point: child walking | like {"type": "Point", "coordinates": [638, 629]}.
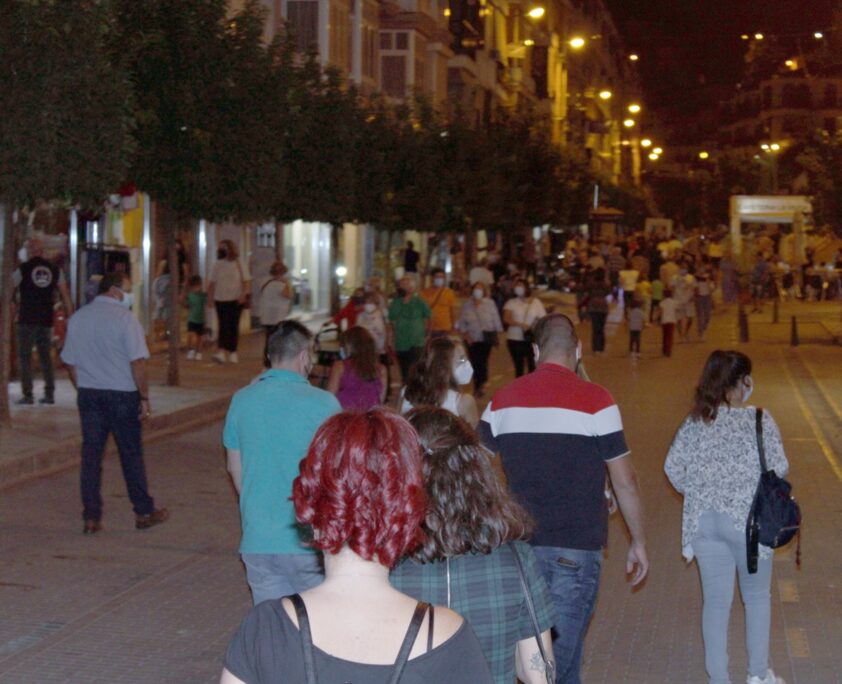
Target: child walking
{"type": "Point", "coordinates": [196, 301]}
{"type": "Point", "coordinates": [636, 322]}
{"type": "Point", "coordinates": [668, 315]}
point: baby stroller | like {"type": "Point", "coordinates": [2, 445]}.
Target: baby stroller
{"type": "Point", "coordinates": [327, 351]}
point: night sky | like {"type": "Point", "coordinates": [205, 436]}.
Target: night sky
{"type": "Point", "coordinates": [684, 44]}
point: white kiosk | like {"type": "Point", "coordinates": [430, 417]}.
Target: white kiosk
{"type": "Point", "coordinates": [770, 209]}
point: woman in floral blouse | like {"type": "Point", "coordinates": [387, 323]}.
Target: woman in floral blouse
{"type": "Point", "coordinates": [714, 463]}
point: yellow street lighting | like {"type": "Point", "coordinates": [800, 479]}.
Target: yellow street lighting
{"type": "Point", "coordinates": [536, 12]}
{"type": "Point", "coordinates": [774, 147]}
{"type": "Point", "coordinates": [745, 36]}
{"type": "Point", "coordinates": [605, 94]}
{"type": "Point", "coordinates": [790, 63]}
{"type": "Point", "coordinates": [447, 11]}
{"type": "Point", "coordinates": [818, 35]}
{"type": "Point", "coordinates": [658, 151]}
{"type": "Point", "coordinates": [646, 142]}
{"type": "Point", "coordinates": [628, 123]}
{"type": "Point", "coordinates": [577, 42]}
{"type": "Point", "coordinates": [634, 108]}
{"type": "Point", "coordinates": [758, 36]}
{"type": "Point", "coordinates": [653, 156]}
{"type": "Point", "coordinates": [625, 143]}
{"type": "Point", "coordinates": [529, 42]}
{"type": "Point", "coordinates": [703, 155]}
{"type": "Point", "coordinates": [633, 57]}
{"type": "Point", "coordinates": [764, 146]}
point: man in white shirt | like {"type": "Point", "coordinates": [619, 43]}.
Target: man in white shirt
{"type": "Point", "coordinates": [105, 352]}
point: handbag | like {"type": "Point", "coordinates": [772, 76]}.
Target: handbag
{"type": "Point", "coordinates": [549, 665]}
{"type": "Point", "coordinates": [403, 654]}
{"type": "Point", "coordinates": [774, 517]}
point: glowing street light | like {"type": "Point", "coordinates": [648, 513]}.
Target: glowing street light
{"type": "Point", "coordinates": [758, 36]}
{"type": "Point", "coordinates": [634, 108]}
{"type": "Point", "coordinates": [765, 146]}
{"type": "Point", "coordinates": [628, 123]}
{"type": "Point", "coordinates": [447, 11]}
{"type": "Point", "coordinates": [791, 64]}
{"type": "Point", "coordinates": [577, 42]}
{"type": "Point", "coordinates": [536, 12]}
{"type": "Point", "coordinates": [529, 42]}
{"type": "Point", "coordinates": [745, 36]}
{"type": "Point", "coordinates": [341, 271]}
{"type": "Point", "coordinates": [653, 156]}
{"type": "Point", "coordinates": [818, 35]}
{"type": "Point", "coordinates": [646, 142]}
{"type": "Point", "coordinates": [774, 147]}
{"type": "Point", "coordinates": [658, 151]}
{"type": "Point", "coordinates": [605, 94]}
{"type": "Point", "coordinates": [703, 155]}
{"type": "Point", "coordinates": [634, 57]}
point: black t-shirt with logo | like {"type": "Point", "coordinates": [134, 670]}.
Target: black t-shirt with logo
{"type": "Point", "coordinates": [39, 279]}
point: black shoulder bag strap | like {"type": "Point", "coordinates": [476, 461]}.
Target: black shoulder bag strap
{"type": "Point", "coordinates": [530, 606]}
{"type": "Point", "coordinates": [752, 532]}
{"type": "Point", "coordinates": [306, 637]}
{"type": "Point", "coordinates": [409, 640]}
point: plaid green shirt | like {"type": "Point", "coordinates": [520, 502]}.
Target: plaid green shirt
{"type": "Point", "coordinates": [486, 591]}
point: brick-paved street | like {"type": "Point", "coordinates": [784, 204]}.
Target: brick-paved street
{"type": "Point", "coordinates": [160, 605]}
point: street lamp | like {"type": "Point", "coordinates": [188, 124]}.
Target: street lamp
{"type": "Point", "coordinates": [605, 94]}
{"type": "Point", "coordinates": [628, 123]}
{"type": "Point", "coordinates": [634, 108]}
{"type": "Point", "coordinates": [774, 147]}
{"type": "Point", "coordinates": [646, 142]}
{"type": "Point", "coordinates": [818, 35]}
{"type": "Point", "coordinates": [536, 12]}
{"type": "Point", "coordinates": [529, 42]}
{"type": "Point", "coordinates": [634, 57]}
{"type": "Point", "coordinates": [658, 151]}
{"type": "Point", "coordinates": [758, 36]}
{"type": "Point", "coordinates": [653, 156]}
{"type": "Point", "coordinates": [703, 155]}
{"type": "Point", "coordinates": [577, 42]}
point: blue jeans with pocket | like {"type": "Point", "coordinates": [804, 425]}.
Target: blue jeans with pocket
{"type": "Point", "coordinates": [573, 579]}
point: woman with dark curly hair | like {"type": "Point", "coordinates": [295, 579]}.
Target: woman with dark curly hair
{"type": "Point", "coordinates": [435, 380]}
{"type": "Point", "coordinates": [714, 463]}
{"type": "Point", "coordinates": [361, 492]}
{"type": "Point", "coordinates": [467, 559]}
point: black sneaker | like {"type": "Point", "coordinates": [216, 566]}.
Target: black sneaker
{"type": "Point", "coordinates": [156, 517]}
{"type": "Point", "coordinates": [46, 400]}
{"type": "Point", "coordinates": [25, 401]}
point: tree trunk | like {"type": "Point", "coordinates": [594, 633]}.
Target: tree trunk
{"type": "Point", "coordinates": [334, 279]}
{"type": "Point", "coordinates": [6, 249]}
{"type": "Point", "coordinates": [174, 322]}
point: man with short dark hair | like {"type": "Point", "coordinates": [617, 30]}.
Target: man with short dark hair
{"type": "Point", "coordinates": [105, 352]}
{"type": "Point", "coordinates": [556, 434]}
{"type": "Point", "coordinates": [36, 280]}
{"type": "Point", "coordinates": [268, 429]}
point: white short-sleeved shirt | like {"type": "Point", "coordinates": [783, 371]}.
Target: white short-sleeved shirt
{"type": "Point", "coordinates": [274, 305]}
{"type": "Point", "coordinates": [669, 310]}
{"type": "Point", "coordinates": [103, 338]}
{"type": "Point", "coordinates": [524, 314]}
{"type": "Point", "coordinates": [228, 276]}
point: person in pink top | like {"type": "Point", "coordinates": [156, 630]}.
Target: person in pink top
{"type": "Point", "coordinates": [358, 380]}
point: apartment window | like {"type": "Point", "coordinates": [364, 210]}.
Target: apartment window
{"type": "Point", "coordinates": [385, 40]}
{"type": "Point", "coordinates": [402, 40]}
{"type": "Point", "coordinates": [303, 17]}
{"type": "Point", "coordinates": [393, 73]}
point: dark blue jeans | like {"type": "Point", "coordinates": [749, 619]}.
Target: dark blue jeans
{"type": "Point", "coordinates": [39, 336]}
{"type": "Point", "coordinates": [573, 578]}
{"type": "Point", "coordinates": [105, 412]}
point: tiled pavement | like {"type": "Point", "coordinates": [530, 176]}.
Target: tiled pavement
{"type": "Point", "coordinates": [160, 605]}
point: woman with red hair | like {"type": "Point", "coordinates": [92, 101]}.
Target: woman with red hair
{"type": "Point", "coordinates": [361, 492]}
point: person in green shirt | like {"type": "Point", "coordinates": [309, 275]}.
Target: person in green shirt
{"type": "Point", "coordinates": [196, 301]}
{"type": "Point", "coordinates": [409, 316]}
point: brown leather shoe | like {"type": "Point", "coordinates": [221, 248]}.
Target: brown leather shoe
{"type": "Point", "coordinates": [92, 527]}
{"type": "Point", "coordinates": [156, 517]}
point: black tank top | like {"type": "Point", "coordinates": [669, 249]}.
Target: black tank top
{"type": "Point", "coordinates": [39, 279]}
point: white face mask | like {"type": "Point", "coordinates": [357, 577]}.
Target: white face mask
{"type": "Point", "coordinates": [478, 294]}
{"type": "Point", "coordinates": [520, 290]}
{"type": "Point", "coordinates": [748, 388]}
{"type": "Point", "coordinates": [127, 300]}
{"type": "Point", "coordinates": [438, 282]}
{"type": "Point", "coordinates": [369, 308]}
{"type": "Point", "coordinates": [463, 373]}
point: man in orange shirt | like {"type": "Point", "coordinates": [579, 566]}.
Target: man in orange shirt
{"type": "Point", "coordinates": [442, 302]}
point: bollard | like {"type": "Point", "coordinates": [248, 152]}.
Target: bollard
{"type": "Point", "coordinates": [742, 319]}
{"type": "Point", "coordinates": [775, 310]}
{"type": "Point", "coordinates": [793, 338]}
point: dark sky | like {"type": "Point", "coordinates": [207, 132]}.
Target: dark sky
{"type": "Point", "coordinates": [683, 43]}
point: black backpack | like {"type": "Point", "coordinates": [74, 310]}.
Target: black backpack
{"type": "Point", "coordinates": [774, 517]}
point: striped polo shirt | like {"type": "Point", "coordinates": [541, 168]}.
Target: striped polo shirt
{"type": "Point", "coordinates": [554, 432]}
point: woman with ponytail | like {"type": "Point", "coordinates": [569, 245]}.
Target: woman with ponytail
{"type": "Point", "coordinates": [713, 462]}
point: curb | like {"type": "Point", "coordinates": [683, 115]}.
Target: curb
{"type": "Point", "coordinates": [66, 455]}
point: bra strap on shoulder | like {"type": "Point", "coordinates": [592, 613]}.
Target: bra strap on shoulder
{"type": "Point", "coordinates": [306, 637]}
{"type": "Point", "coordinates": [408, 641]}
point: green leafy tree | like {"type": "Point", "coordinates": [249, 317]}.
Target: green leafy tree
{"type": "Point", "coordinates": [65, 124]}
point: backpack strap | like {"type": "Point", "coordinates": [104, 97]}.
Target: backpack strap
{"type": "Point", "coordinates": [761, 450]}
{"type": "Point", "coordinates": [408, 641]}
{"type": "Point", "coordinates": [306, 637]}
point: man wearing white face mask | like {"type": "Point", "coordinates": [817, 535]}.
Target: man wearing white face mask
{"type": "Point", "coordinates": [556, 434]}
{"type": "Point", "coordinates": [105, 352]}
{"type": "Point", "coordinates": [442, 302]}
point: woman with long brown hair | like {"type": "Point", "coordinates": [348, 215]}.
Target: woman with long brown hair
{"type": "Point", "coordinates": [435, 380]}
{"type": "Point", "coordinates": [358, 379]}
{"type": "Point", "coordinates": [714, 463]}
{"type": "Point", "coordinates": [473, 530]}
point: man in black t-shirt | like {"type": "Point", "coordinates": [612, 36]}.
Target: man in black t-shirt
{"type": "Point", "coordinates": [36, 281]}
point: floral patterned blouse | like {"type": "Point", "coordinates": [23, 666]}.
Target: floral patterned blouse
{"type": "Point", "coordinates": [716, 467]}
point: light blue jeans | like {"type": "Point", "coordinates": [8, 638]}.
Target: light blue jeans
{"type": "Point", "coordinates": [573, 578]}
{"type": "Point", "coordinates": [275, 575]}
{"type": "Point", "coordinates": [720, 551]}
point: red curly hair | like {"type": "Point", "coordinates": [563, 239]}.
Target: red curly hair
{"type": "Point", "coordinates": [361, 484]}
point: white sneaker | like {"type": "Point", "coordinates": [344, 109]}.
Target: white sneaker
{"type": "Point", "coordinates": [219, 357]}
{"type": "Point", "coordinates": [198, 356]}
{"type": "Point", "coordinates": [233, 358]}
{"type": "Point", "coordinates": [191, 354]}
{"type": "Point", "coordinates": [770, 678]}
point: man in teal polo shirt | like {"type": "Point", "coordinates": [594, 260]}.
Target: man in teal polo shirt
{"type": "Point", "coordinates": [267, 431]}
